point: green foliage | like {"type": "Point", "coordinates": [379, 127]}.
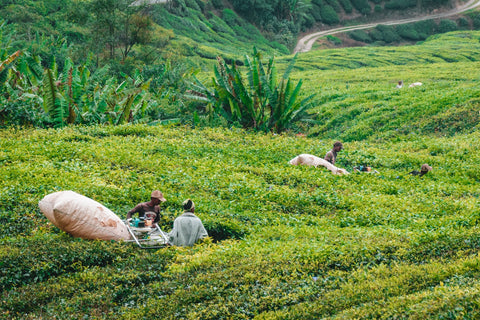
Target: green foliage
{"type": "Point", "coordinates": [385, 33]}
{"type": "Point", "coordinates": [288, 235]}
{"type": "Point", "coordinates": [72, 95]}
{"type": "Point", "coordinates": [400, 4]}
{"type": "Point", "coordinates": [463, 23]}
{"type": "Point", "coordinates": [408, 32]}
{"type": "Point", "coordinates": [446, 25]}
{"type": "Point", "coordinates": [420, 30]}
{"type": "Point", "coordinates": [261, 102]}
{"type": "Point", "coordinates": [329, 16]}
{"type": "Point", "coordinates": [362, 6]}
{"type": "Point", "coordinates": [335, 5]}
{"type": "Point", "coordinates": [291, 242]}
{"type": "Point", "coordinates": [378, 110]}
{"type": "Point", "coordinates": [360, 35]}
{"type": "Point", "coordinates": [347, 5]}
{"type": "Point", "coordinates": [425, 28]}
{"type": "Point", "coordinates": [131, 37]}
{"type": "Point", "coordinates": [230, 17]}
{"type": "Point", "coordinates": [334, 40]}
{"type": "Point", "coordinates": [51, 103]}
{"type": "Point", "coordinates": [476, 22]}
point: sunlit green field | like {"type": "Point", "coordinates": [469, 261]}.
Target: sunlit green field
{"type": "Point", "coordinates": [358, 99]}
{"type": "Point", "coordinates": [286, 242]}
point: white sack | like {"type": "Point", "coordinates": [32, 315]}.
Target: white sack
{"type": "Point", "coordinates": [311, 160]}
{"type": "Point", "coordinates": [82, 217]}
{"type": "Point", "coordinates": [415, 84]}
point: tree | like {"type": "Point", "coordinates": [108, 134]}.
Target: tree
{"type": "Point", "coordinates": [117, 25]}
{"type": "Point", "coordinates": [136, 30]}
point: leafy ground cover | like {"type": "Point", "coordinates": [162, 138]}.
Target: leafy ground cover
{"type": "Point", "coordinates": [286, 242]}
{"type": "Point", "coordinates": [363, 103]}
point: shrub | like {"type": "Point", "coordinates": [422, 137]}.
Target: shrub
{"type": "Point", "coordinates": [222, 229]}
{"type": "Point", "coordinates": [476, 22]}
{"type": "Point", "coordinates": [336, 41]}
{"type": "Point", "coordinates": [220, 26]}
{"type": "Point", "coordinates": [335, 5]}
{"type": "Point", "coordinates": [315, 11]}
{"type": "Point", "coordinates": [407, 31]}
{"type": "Point", "coordinates": [425, 28]}
{"type": "Point", "coordinates": [36, 260]}
{"type": "Point", "coordinates": [360, 35]}
{"type": "Point", "coordinates": [347, 6]}
{"type": "Point", "coordinates": [376, 34]}
{"type": "Point", "coordinates": [328, 14]}
{"type": "Point", "coordinates": [217, 4]}
{"type": "Point", "coordinates": [306, 22]}
{"type": "Point", "coordinates": [389, 34]}
{"type": "Point", "coordinates": [261, 102]}
{"type": "Point", "coordinates": [463, 23]}
{"type": "Point", "coordinates": [230, 17]}
{"type": "Point", "coordinates": [447, 25]}
{"type": "Point", "coordinates": [362, 6]}
{"type": "Point", "coordinates": [400, 4]}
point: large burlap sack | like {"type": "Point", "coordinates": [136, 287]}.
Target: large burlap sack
{"type": "Point", "coordinates": [311, 160]}
{"type": "Point", "coordinates": [82, 217]}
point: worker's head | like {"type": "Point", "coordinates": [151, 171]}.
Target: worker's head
{"type": "Point", "coordinates": [425, 168]}
{"type": "Point", "coordinates": [157, 197]}
{"type": "Point", "coordinates": [337, 146]}
{"type": "Point", "coordinates": [188, 205]}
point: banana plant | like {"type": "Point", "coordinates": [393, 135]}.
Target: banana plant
{"type": "Point", "coordinates": [131, 99]}
{"type": "Point", "coordinates": [261, 102]}
{"type": "Point", "coordinates": [53, 102]}
{"type": "Point", "coordinates": [285, 107]}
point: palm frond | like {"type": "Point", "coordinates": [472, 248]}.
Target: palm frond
{"type": "Point", "coordinates": [126, 110]}
{"type": "Point", "coordinates": [290, 66]}
{"type": "Point", "coordinates": [10, 59]}
{"type": "Point", "coordinates": [53, 107]}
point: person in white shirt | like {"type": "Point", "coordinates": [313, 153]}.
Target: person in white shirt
{"type": "Point", "coordinates": [187, 228]}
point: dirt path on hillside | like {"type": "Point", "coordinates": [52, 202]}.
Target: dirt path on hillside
{"type": "Point", "coordinates": [305, 44]}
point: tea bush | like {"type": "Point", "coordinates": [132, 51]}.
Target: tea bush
{"type": "Point", "coordinates": [288, 242]}
{"type": "Point", "coordinates": [298, 234]}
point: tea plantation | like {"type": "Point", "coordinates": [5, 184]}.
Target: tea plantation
{"type": "Point", "coordinates": [287, 242]}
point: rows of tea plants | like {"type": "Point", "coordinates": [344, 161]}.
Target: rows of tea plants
{"type": "Point", "coordinates": [286, 241]}
{"type": "Point", "coordinates": [358, 99]}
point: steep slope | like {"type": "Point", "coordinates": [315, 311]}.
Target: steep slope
{"type": "Point", "coordinates": [358, 98]}
{"type": "Point", "coordinates": [305, 43]}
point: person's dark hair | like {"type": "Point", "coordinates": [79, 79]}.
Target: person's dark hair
{"type": "Point", "coordinates": [188, 205]}
{"type": "Point", "coordinates": [337, 144]}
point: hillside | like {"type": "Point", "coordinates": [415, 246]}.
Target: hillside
{"type": "Point", "coordinates": [194, 32]}
{"type": "Point", "coordinates": [357, 98]}
{"type": "Point", "coordinates": [286, 242]}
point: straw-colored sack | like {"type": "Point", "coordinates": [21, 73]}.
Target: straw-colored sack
{"type": "Point", "coordinates": [82, 217]}
{"type": "Point", "coordinates": [311, 160]}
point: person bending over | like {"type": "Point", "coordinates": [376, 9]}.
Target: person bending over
{"type": "Point", "coordinates": [331, 155]}
{"type": "Point", "coordinates": [151, 207]}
